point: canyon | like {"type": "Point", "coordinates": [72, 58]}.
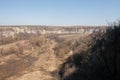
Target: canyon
{"type": "Point", "coordinates": [37, 52]}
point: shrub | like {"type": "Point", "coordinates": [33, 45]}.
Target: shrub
{"type": "Point", "coordinates": [37, 41]}
{"type": "Point", "coordinates": [99, 62]}
{"type": "Point", "coordinates": [9, 50]}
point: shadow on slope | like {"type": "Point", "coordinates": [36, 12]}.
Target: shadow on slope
{"type": "Point", "coordinates": [100, 62]}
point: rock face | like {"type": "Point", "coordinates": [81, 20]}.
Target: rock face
{"type": "Point", "coordinates": [11, 31]}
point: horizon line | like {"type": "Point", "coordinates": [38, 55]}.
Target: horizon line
{"type": "Point", "coordinates": [53, 25]}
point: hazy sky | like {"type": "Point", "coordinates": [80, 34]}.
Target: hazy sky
{"type": "Point", "coordinates": [58, 12]}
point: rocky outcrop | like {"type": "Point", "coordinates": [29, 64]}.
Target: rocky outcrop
{"type": "Point", "coordinates": [11, 31]}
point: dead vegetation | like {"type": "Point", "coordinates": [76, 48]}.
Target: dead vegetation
{"type": "Point", "coordinates": [99, 62]}
{"type": "Point", "coordinates": [46, 57]}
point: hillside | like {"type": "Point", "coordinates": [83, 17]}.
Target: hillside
{"type": "Point", "coordinates": [37, 57]}
{"type": "Point", "coordinates": [99, 62]}
{"type": "Point", "coordinates": [51, 56]}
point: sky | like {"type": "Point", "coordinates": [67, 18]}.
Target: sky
{"type": "Point", "coordinates": [59, 12]}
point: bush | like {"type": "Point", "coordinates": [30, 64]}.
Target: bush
{"type": "Point", "coordinates": [9, 50]}
{"type": "Point", "coordinates": [37, 41]}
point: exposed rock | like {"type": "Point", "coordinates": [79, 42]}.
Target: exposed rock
{"type": "Point", "coordinates": [12, 31]}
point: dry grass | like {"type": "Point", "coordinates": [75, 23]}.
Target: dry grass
{"type": "Point", "coordinates": [9, 50]}
{"type": "Point", "coordinates": [50, 50]}
{"type": "Point", "coordinates": [37, 41]}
